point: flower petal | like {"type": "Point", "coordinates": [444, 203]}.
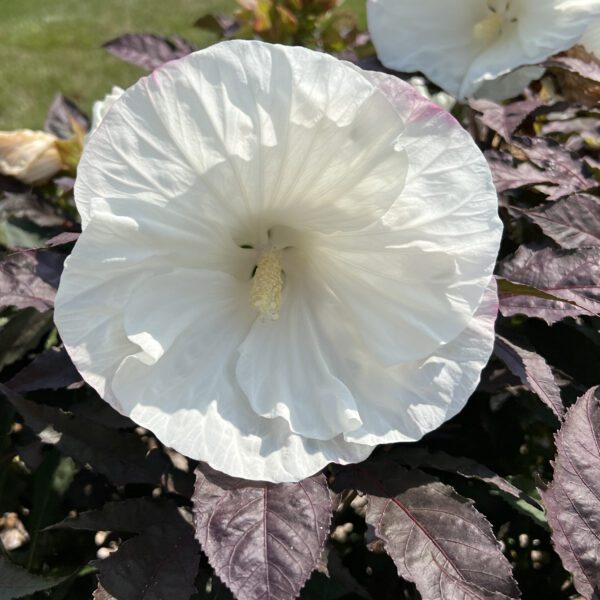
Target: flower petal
{"type": "Point", "coordinates": [591, 38]}
{"type": "Point", "coordinates": [245, 128]}
{"type": "Point", "coordinates": [448, 213]}
{"type": "Point", "coordinates": [430, 36]}
{"type": "Point", "coordinates": [209, 309]}
{"type": "Point", "coordinates": [432, 390]}
{"type": "Point", "coordinates": [283, 367]}
{"type": "Point", "coordinates": [227, 434]}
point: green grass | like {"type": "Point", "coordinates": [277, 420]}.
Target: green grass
{"type": "Point", "coordinates": [50, 46]}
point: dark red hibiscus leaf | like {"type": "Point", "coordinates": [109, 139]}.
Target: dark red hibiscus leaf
{"type": "Point", "coordinates": [160, 562]}
{"type": "Point", "coordinates": [533, 371]}
{"type": "Point", "coordinates": [571, 275]}
{"type": "Point", "coordinates": [418, 456]}
{"type": "Point", "coordinates": [147, 50]}
{"type": "Point", "coordinates": [573, 498]}
{"type": "Point", "coordinates": [436, 538]}
{"type": "Point", "coordinates": [566, 172]}
{"type": "Point", "coordinates": [62, 114]}
{"type": "Point", "coordinates": [263, 540]}
{"type": "Point", "coordinates": [572, 222]}
{"type": "Point", "coordinates": [504, 119]}
{"type": "Point", "coordinates": [50, 370]}
{"type": "Point", "coordinates": [588, 69]}
{"type": "Point", "coordinates": [509, 174]}
{"type": "Point", "coordinates": [30, 278]}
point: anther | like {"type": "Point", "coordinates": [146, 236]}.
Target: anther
{"type": "Point", "coordinates": [267, 284]}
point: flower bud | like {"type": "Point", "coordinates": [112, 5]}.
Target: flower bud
{"type": "Point", "coordinates": [31, 156]}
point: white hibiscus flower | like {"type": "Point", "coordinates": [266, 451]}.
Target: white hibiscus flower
{"type": "Point", "coordinates": [284, 261]}
{"type": "Point", "coordinates": [460, 44]}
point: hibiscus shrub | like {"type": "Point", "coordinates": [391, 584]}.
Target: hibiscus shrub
{"type": "Point", "coordinates": [500, 501]}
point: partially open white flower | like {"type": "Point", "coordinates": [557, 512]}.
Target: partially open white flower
{"type": "Point", "coordinates": [459, 44]}
{"type": "Point", "coordinates": [31, 156]}
{"type": "Point", "coordinates": [284, 261]}
{"type": "Point", "coordinates": [101, 107]}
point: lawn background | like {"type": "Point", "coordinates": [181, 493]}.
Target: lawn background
{"type": "Point", "coordinates": [50, 46]}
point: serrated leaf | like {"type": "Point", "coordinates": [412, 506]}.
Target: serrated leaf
{"type": "Point", "coordinates": [29, 279]}
{"type": "Point", "coordinates": [533, 371]}
{"type": "Point", "coordinates": [587, 69]}
{"type": "Point", "coordinates": [133, 515]}
{"type": "Point", "coordinates": [418, 456]}
{"type": "Point", "coordinates": [101, 594]}
{"type": "Point", "coordinates": [223, 25]}
{"type": "Point", "coordinates": [29, 206]}
{"type": "Point", "coordinates": [572, 275]}
{"type": "Point", "coordinates": [572, 222]}
{"type": "Point", "coordinates": [503, 119]}
{"type": "Point", "coordinates": [62, 115]}
{"type": "Point", "coordinates": [67, 237]}
{"type": "Point", "coordinates": [263, 540]}
{"type": "Point", "coordinates": [566, 171]}
{"type": "Point", "coordinates": [573, 497]}
{"type": "Point", "coordinates": [22, 333]}
{"type": "Point", "coordinates": [147, 50]}
{"type": "Point", "coordinates": [51, 370]}
{"type": "Point", "coordinates": [121, 456]}
{"type": "Point", "coordinates": [509, 174]}
{"type": "Point", "coordinates": [16, 582]}
{"type": "Point", "coordinates": [436, 538]}
{"type": "Point", "coordinates": [160, 562]}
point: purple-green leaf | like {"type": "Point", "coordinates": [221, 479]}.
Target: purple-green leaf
{"type": "Point", "coordinates": [573, 498]}
{"type": "Point", "coordinates": [28, 206]}
{"type": "Point", "coordinates": [101, 594]}
{"type": "Point", "coordinates": [417, 456]}
{"type": "Point", "coordinates": [51, 370]}
{"type": "Point", "coordinates": [508, 174]}
{"type": "Point", "coordinates": [147, 50]}
{"type": "Point", "coordinates": [63, 112]}
{"type": "Point", "coordinates": [121, 456]}
{"type": "Point", "coordinates": [504, 119]}
{"type": "Point", "coordinates": [263, 540]}
{"type": "Point", "coordinates": [160, 562]}
{"type": "Point", "coordinates": [29, 279]}
{"type": "Point", "coordinates": [533, 371]}
{"type": "Point", "coordinates": [572, 222]}
{"type": "Point", "coordinates": [584, 68]}
{"type": "Point", "coordinates": [565, 171]}
{"type": "Point", "coordinates": [436, 538]}
{"type": "Point", "coordinates": [571, 275]}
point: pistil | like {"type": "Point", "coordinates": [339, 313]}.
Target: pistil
{"type": "Point", "coordinates": [267, 284]}
{"type": "Point", "coordinates": [488, 29]}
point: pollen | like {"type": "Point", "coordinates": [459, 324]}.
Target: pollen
{"type": "Point", "coordinates": [488, 29]}
{"type": "Point", "coordinates": [265, 294]}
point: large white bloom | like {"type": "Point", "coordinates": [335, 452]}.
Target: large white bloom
{"type": "Point", "coordinates": [460, 44]}
{"type": "Point", "coordinates": [284, 260]}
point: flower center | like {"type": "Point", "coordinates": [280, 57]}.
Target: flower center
{"type": "Point", "coordinates": [267, 284]}
{"type": "Point", "coordinates": [491, 27]}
